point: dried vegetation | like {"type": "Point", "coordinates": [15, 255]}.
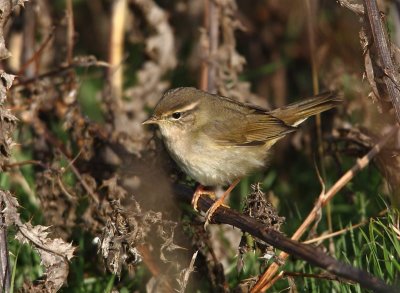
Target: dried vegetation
{"type": "Point", "coordinates": [73, 150]}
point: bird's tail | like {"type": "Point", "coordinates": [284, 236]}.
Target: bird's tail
{"type": "Point", "coordinates": [297, 112]}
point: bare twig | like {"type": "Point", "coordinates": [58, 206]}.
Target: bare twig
{"type": "Point", "coordinates": [265, 280]}
{"type": "Point", "coordinates": [341, 231]}
{"type": "Point", "coordinates": [78, 175]}
{"type": "Point", "coordinates": [23, 163]}
{"type": "Point", "coordinates": [42, 129]}
{"type": "Point", "coordinates": [308, 253]}
{"type": "Point", "coordinates": [382, 45]}
{"type": "Point", "coordinates": [61, 70]}
{"type": "Point", "coordinates": [315, 276]}
{"type": "Point", "coordinates": [38, 53]}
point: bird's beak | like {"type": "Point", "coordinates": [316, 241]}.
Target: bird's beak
{"type": "Point", "coordinates": [151, 120]}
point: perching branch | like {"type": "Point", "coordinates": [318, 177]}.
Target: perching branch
{"type": "Point", "coordinates": [323, 199]}
{"type": "Point", "coordinates": [306, 252]}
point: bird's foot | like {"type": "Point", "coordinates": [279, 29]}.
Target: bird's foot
{"type": "Point", "coordinates": [212, 209]}
{"type": "Point", "coordinates": [199, 191]}
{"type": "Point", "coordinates": [219, 202]}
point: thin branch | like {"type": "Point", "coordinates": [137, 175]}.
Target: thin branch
{"type": "Point", "coordinates": [23, 163]}
{"type": "Point", "coordinates": [42, 129]}
{"type": "Point", "coordinates": [78, 175]}
{"type": "Point", "coordinates": [265, 280]}
{"type": "Point", "coordinates": [62, 69]}
{"type": "Point", "coordinates": [382, 45]}
{"type": "Point", "coordinates": [38, 53]}
{"type": "Point", "coordinates": [325, 276]}
{"type": "Point", "coordinates": [311, 254]}
{"type": "Point", "coordinates": [341, 231]}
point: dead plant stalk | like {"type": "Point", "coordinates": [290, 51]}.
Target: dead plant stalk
{"type": "Point", "coordinates": [267, 279]}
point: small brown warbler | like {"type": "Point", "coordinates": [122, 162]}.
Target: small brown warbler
{"type": "Point", "coordinates": [217, 140]}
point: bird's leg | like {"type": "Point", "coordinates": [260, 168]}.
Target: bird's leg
{"type": "Point", "coordinates": [199, 191]}
{"type": "Point", "coordinates": [219, 202]}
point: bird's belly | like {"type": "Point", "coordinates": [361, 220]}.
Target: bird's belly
{"type": "Point", "coordinates": [213, 165]}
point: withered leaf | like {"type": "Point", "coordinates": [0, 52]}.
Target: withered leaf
{"type": "Point", "coordinates": [54, 253]}
{"type": "Point", "coordinates": [6, 8]}
{"type": "Point", "coordinates": [6, 83]}
{"type": "Point", "coordinates": [10, 207]}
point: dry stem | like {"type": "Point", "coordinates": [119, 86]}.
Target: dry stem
{"type": "Point", "coordinates": [265, 280]}
{"type": "Point", "coordinates": [224, 215]}
{"type": "Point", "coordinates": [116, 49]}
{"type": "Point", "coordinates": [382, 45]}
{"type": "Point", "coordinates": [341, 231]}
{"type": "Point", "coordinates": [70, 32]}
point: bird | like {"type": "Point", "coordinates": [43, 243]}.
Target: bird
{"type": "Point", "coordinates": [217, 140]}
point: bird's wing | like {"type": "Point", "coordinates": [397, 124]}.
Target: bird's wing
{"type": "Point", "coordinates": [247, 129]}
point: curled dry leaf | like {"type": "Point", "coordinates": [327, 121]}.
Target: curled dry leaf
{"type": "Point", "coordinates": [128, 228]}
{"type": "Point", "coordinates": [54, 253]}
{"type": "Point", "coordinates": [7, 120]}
{"type": "Point", "coordinates": [7, 126]}
{"type": "Point", "coordinates": [57, 198]}
{"type": "Point", "coordinates": [10, 207]}
{"type": "Point", "coordinates": [185, 274]}
{"type": "Point", "coordinates": [355, 7]}
{"type": "Point", "coordinates": [6, 83]}
{"type": "Point", "coordinates": [6, 7]}
{"type": "Point", "coordinates": [257, 206]}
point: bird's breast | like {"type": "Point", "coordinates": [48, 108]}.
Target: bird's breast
{"type": "Point", "coordinates": [211, 164]}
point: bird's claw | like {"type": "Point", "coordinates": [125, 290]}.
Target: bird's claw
{"type": "Point", "coordinates": [210, 212]}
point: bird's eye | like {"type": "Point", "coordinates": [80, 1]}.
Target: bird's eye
{"type": "Point", "coordinates": [176, 115]}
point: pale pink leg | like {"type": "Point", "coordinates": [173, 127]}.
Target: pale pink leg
{"type": "Point", "coordinates": [219, 202]}
{"type": "Point", "coordinates": [199, 191]}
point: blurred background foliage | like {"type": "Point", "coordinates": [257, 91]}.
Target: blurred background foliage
{"type": "Point", "coordinates": [274, 41]}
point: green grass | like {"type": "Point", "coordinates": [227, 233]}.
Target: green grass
{"type": "Point", "coordinates": [373, 247]}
